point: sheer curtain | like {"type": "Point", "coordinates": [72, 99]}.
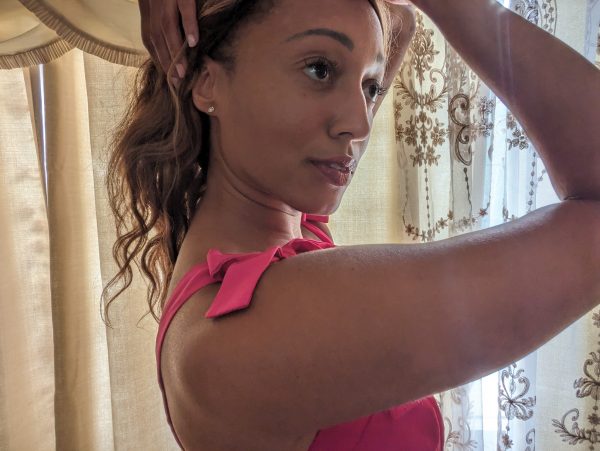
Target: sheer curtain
{"type": "Point", "coordinates": [463, 163]}
{"type": "Point", "coordinates": [433, 169]}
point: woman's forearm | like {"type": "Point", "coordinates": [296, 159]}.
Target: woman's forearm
{"type": "Point", "coordinates": [552, 90]}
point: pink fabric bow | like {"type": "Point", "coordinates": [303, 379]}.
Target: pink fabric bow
{"type": "Point", "coordinates": [239, 273]}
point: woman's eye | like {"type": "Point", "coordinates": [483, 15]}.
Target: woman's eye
{"type": "Point", "coordinates": [321, 69]}
{"type": "Point", "coordinates": [375, 90]}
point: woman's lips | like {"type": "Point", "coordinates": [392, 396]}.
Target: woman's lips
{"type": "Point", "coordinates": [334, 176]}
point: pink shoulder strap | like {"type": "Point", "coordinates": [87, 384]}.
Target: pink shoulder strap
{"type": "Point", "coordinates": [239, 274]}
{"type": "Point", "coordinates": [315, 229]}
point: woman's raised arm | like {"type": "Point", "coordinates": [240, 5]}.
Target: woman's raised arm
{"type": "Point", "coordinates": [552, 90]}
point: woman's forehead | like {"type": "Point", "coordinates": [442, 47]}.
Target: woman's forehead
{"type": "Point", "coordinates": [349, 22]}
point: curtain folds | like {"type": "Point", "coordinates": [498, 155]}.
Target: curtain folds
{"type": "Point", "coordinates": [109, 29]}
{"type": "Point", "coordinates": [445, 157]}
{"type": "Point", "coordinates": [27, 357]}
{"type": "Point", "coordinates": [24, 40]}
{"type": "Point", "coordinates": [39, 31]}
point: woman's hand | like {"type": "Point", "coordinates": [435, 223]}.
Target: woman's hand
{"type": "Point", "coordinates": [161, 30]}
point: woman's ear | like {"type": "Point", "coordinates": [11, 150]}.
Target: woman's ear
{"type": "Point", "coordinates": [204, 86]}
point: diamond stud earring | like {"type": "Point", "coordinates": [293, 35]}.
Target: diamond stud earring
{"type": "Point", "coordinates": [211, 109]}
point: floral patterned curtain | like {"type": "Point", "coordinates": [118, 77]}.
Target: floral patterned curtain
{"type": "Point", "coordinates": [467, 165]}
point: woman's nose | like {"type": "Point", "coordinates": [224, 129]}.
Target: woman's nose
{"type": "Point", "coordinates": [352, 116]}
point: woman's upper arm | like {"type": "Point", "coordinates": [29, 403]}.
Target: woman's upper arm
{"type": "Point", "coordinates": [337, 334]}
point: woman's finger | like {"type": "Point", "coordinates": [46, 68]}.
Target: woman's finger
{"type": "Point", "coordinates": [156, 35]}
{"type": "Point", "coordinates": [145, 25]}
{"type": "Point", "coordinates": [187, 8]}
{"type": "Point", "coordinates": [172, 36]}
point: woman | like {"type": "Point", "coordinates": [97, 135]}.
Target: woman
{"type": "Point", "coordinates": [337, 348]}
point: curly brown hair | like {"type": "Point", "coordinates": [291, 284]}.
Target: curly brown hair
{"type": "Point", "coordinates": [159, 154]}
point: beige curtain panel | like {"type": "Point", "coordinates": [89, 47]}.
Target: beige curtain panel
{"type": "Point", "coordinates": [39, 31]}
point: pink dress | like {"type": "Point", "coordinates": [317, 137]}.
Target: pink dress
{"type": "Point", "coordinates": [414, 426]}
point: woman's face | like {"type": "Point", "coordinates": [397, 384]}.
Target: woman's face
{"type": "Point", "coordinates": [304, 88]}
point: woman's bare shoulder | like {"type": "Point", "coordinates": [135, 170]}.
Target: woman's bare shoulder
{"type": "Point", "coordinates": [391, 317]}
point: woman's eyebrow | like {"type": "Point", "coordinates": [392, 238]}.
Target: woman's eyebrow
{"type": "Point", "coordinates": [342, 38]}
{"type": "Point", "coordinates": [338, 36]}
